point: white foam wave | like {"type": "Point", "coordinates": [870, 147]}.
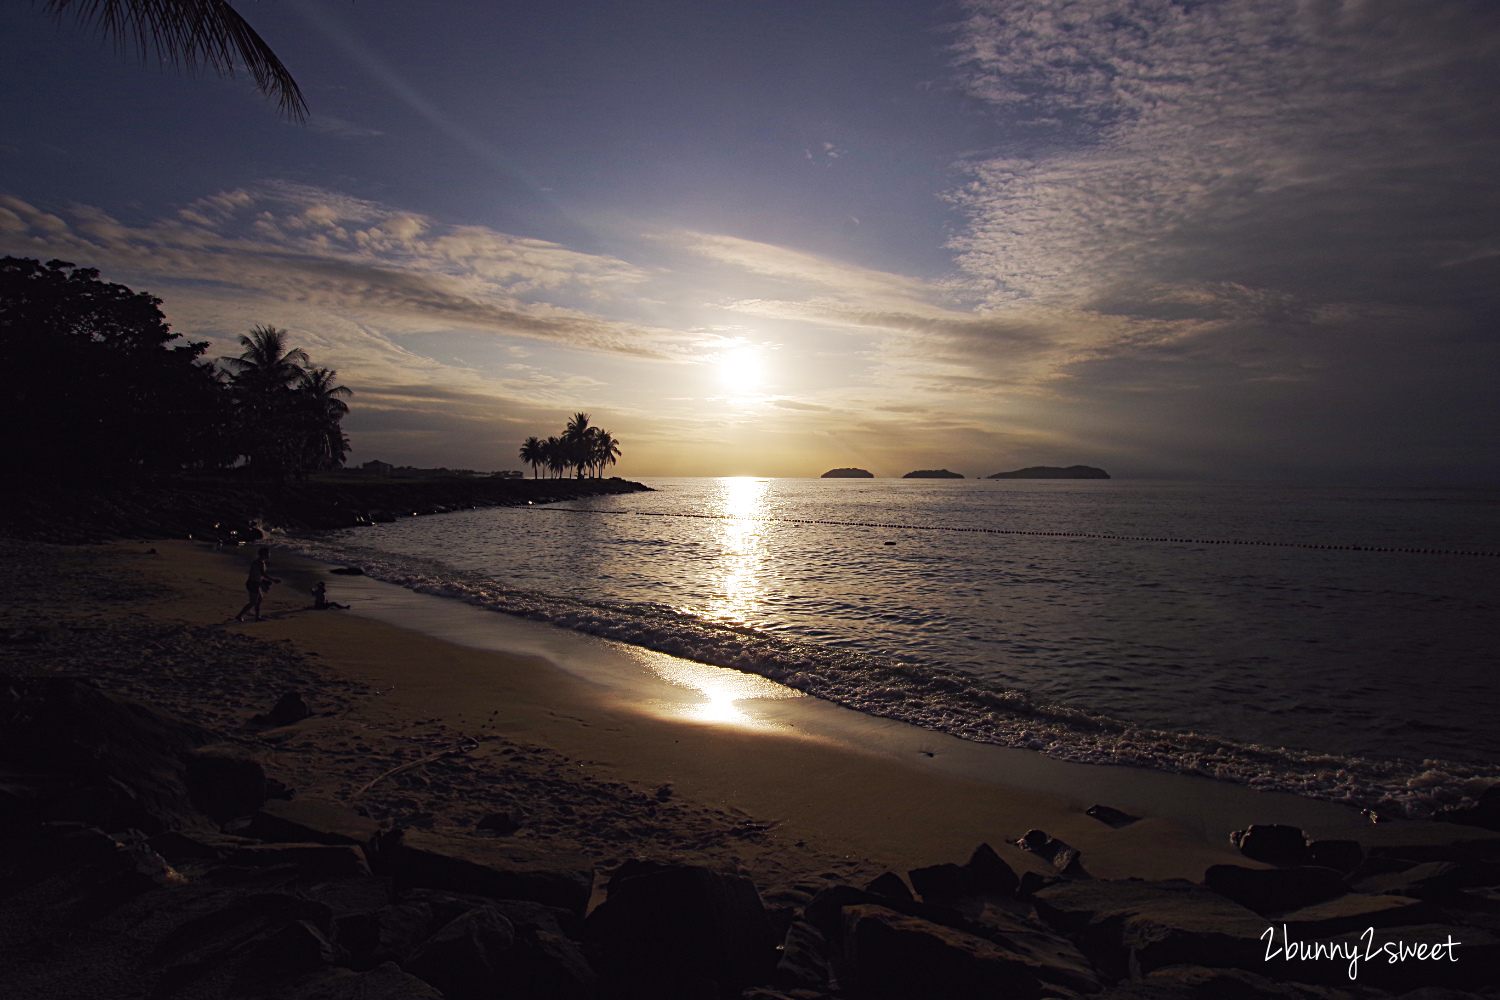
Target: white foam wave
{"type": "Point", "coordinates": [935, 697]}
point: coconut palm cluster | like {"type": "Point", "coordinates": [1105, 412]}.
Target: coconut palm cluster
{"type": "Point", "coordinates": [288, 412]}
{"type": "Point", "coordinates": [581, 447]}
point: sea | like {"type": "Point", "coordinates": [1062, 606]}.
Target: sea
{"type": "Point", "coordinates": [1337, 641]}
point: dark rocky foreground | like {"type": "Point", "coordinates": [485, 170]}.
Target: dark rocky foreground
{"type": "Point", "coordinates": [143, 856]}
{"type": "Point", "coordinates": [241, 511]}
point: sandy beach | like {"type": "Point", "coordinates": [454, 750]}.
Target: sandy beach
{"type": "Point", "coordinates": [573, 765]}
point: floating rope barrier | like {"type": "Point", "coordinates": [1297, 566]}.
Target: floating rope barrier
{"type": "Point", "coordinates": [1040, 534]}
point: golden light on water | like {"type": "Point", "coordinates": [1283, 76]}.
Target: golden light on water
{"type": "Point", "coordinates": [738, 591]}
{"type": "Point", "coordinates": [721, 687]}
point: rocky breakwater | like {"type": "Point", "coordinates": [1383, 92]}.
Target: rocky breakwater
{"type": "Point", "coordinates": [236, 512]}
{"type": "Point", "coordinates": [139, 857]}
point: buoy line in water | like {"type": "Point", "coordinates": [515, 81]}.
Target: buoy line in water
{"type": "Point", "coordinates": [1041, 534]}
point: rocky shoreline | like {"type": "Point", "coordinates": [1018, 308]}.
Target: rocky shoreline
{"type": "Point", "coordinates": [183, 508]}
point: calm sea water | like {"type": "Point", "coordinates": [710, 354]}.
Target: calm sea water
{"type": "Point", "coordinates": [1378, 655]}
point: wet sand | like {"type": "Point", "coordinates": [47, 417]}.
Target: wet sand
{"type": "Point", "coordinates": [592, 758]}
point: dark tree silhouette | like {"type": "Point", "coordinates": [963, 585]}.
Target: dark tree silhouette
{"type": "Point", "coordinates": [92, 382]}
{"type": "Point", "coordinates": [289, 415]}
{"type": "Point", "coordinates": [191, 35]}
{"type": "Point", "coordinates": [582, 447]}
{"type": "Point", "coordinates": [533, 454]}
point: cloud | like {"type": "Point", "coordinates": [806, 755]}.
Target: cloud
{"type": "Point", "coordinates": [351, 257]}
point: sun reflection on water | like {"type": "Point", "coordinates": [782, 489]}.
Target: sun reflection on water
{"type": "Point", "coordinates": [721, 688]}
{"type": "Point", "coordinates": [738, 593]}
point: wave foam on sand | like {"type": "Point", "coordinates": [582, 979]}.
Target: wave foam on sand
{"type": "Point", "coordinates": [938, 698]}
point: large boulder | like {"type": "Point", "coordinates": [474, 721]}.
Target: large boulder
{"type": "Point", "coordinates": [384, 982]}
{"type": "Point", "coordinates": [310, 821]}
{"type": "Point", "coordinates": [1189, 982]}
{"type": "Point", "coordinates": [1273, 844]}
{"type": "Point", "coordinates": [466, 959]}
{"type": "Point", "coordinates": [887, 955]}
{"type": "Point", "coordinates": [225, 781]}
{"type": "Point", "coordinates": [122, 759]}
{"type": "Point", "coordinates": [1355, 912]}
{"type": "Point", "coordinates": [1153, 924]}
{"type": "Point", "coordinates": [490, 868]}
{"type": "Point", "coordinates": [1275, 890]}
{"type": "Point", "coordinates": [682, 932]}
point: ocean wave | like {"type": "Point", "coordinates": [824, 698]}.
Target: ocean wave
{"type": "Point", "coordinates": [933, 696]}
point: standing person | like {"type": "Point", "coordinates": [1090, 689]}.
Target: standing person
{"type": "Point", "coordinates": [257, 584]}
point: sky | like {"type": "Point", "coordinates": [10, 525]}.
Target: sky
{"type": "Point", "coordinates": [1191, 239]}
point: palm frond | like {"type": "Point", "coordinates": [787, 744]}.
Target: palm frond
{"type": "Point", "coordinates": [192, 35]}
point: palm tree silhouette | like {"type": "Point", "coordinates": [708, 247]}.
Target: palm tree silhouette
{"type": "Point", "coordinates": [606, 450]}
{"type": "Point", "coordinates": [267, 363]}
{"type": "Point", "coordinates": [324, 442]}
{"type": "Point", "coordinates": [557, 456]}
{"type": "Point", "coordinates": [532, 454]}
{"type": "Point", "coordinates": [191, 35]}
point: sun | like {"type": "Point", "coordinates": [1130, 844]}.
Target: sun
{"type": "Point", "coordinates": [743, 369]}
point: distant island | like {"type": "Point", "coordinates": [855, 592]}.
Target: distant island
{"type": "Point", "coordinates": [847, 474]}
{"type": "Point", "coordinates": [932, 474]}
{"type": "Point", "coordinates": [1051, 472]}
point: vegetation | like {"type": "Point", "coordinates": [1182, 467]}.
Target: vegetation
{"type": "Point", "coordinates": [93, 381]}
{"type": "Point", "coordinates": [581, 447]}
{"type": "Point", "coordinates": [191, 35]}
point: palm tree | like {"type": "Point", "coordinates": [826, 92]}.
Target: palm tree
{"type": "Point", "coordinates": [191, 35]}
{"type": "Point", "coordinates": [532, 454]}
{"type": "Point", "coordinates": [324, 442]}
{"type": "Point", "coordinates": [606, 450]}
{"type": "Point", "coordinates": [267, 363]}
{"type": "Point", "coordinates": [557, 456]}
{"type": "Point", "coordinates": [576, 440]}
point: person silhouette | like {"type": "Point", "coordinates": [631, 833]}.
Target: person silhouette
{"type": "Point", "coordinates": [256, 584]}
{"type": "Point", "coordinates": [321, 601]}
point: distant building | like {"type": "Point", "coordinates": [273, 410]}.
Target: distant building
{"type": "Point", "coordinates": [508, 474]}
{"type": "Point", "coordinates": [375, 467]}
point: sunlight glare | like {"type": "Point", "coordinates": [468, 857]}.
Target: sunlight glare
{"type": "Point", "coordinates": [743, 369]}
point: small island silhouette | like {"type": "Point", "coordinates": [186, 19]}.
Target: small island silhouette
{"type": "Point", "coordinates": [1053, 472]}
{"type": "Point", "coordinates": [847, 474]}
{"type": "Point", "coordinates": [932, 474]}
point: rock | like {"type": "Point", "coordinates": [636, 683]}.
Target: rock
{"type": "Point", "coordinates": [465, 960]}
{"type": "Point", "coordinates": [400, 929]}
{"type": "Point", "coordinates": [944, 884]}
{"type": "Point", "coordinates": [310, 821]}
{"type": "Point", "coordinates": [293, 948]}
{"type": "Point", "coordinates": [804, 958]}
{"type": "Point", "coordinates": [1053, 958]}
{"type": "Point", "coordinates": [225, 781]}
{"type": "Point", "coordinates": [887, 955]}
{"type": "Point", "coordinates": [1273, 843]}
{"type": "Point", "coordinates": [824, 910]}
{"type": "Point", "coordinates": [545, 965]}
{"type": "Point", "coordinates": [489, 868]}
{"type": "Point", "coordinates": [1066, 859]}
{"type": "Point", "coordinates": [1275, 890]}
{"type": "Point", "coordinates": [1343, 856]}
{"type": "Point", "coordinates": [1164, 923]}
{"type": "Point", "coordinates": [1355, 912]}
{"type": "Point", "coordinates": [847, 474]}
{"type": "Point", "coordinates": [1394, 959]}
{"type": "Point", "coordinates": [289, 709]}
{"type": "Point", "coordinates": [502, 823]}
{"type": "Point", "coordinates": [784, 904]}
{"type": "Point", "coordinates": [125, 756]}
{"type": "Point", "coordinates": [634, 868]}
{"type": "Point", "coordinates": [521, 913]}
{"type": "Point", "coordinates": [889, 884]}
{"type": "Point", "coordinates": [668, 933]}
{"type": "Point", "coordinates": [321, 861]}
{"type": "Point", "coordinates": [1433, 880]}
{"type": "Point", "coordinates": [1484, 813]}
{"type": "Point", "coordinates": [384, 982]}
{"type": "Point", "coordinates": [1188, 982]}
{"type": "Point", "coordinates": [1110, 816]}
{"type": "Point", "coordinates": [932, 474]}
{"type": "Point", "coordinates": [355, 570]}
{"type": "Point", "coordinates": [1053, 472]}
{"type": "Point", "coordinates": [995, 877]}
{"type": "Point", "coordinates": [355, 904]}
{"type": "Point", "coordinates": [1033, 881]}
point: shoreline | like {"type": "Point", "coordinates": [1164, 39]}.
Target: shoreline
{"type": "Point", "coordinates": [467, 787]}
{"type": "Point", "coordinates": [820, 792]}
